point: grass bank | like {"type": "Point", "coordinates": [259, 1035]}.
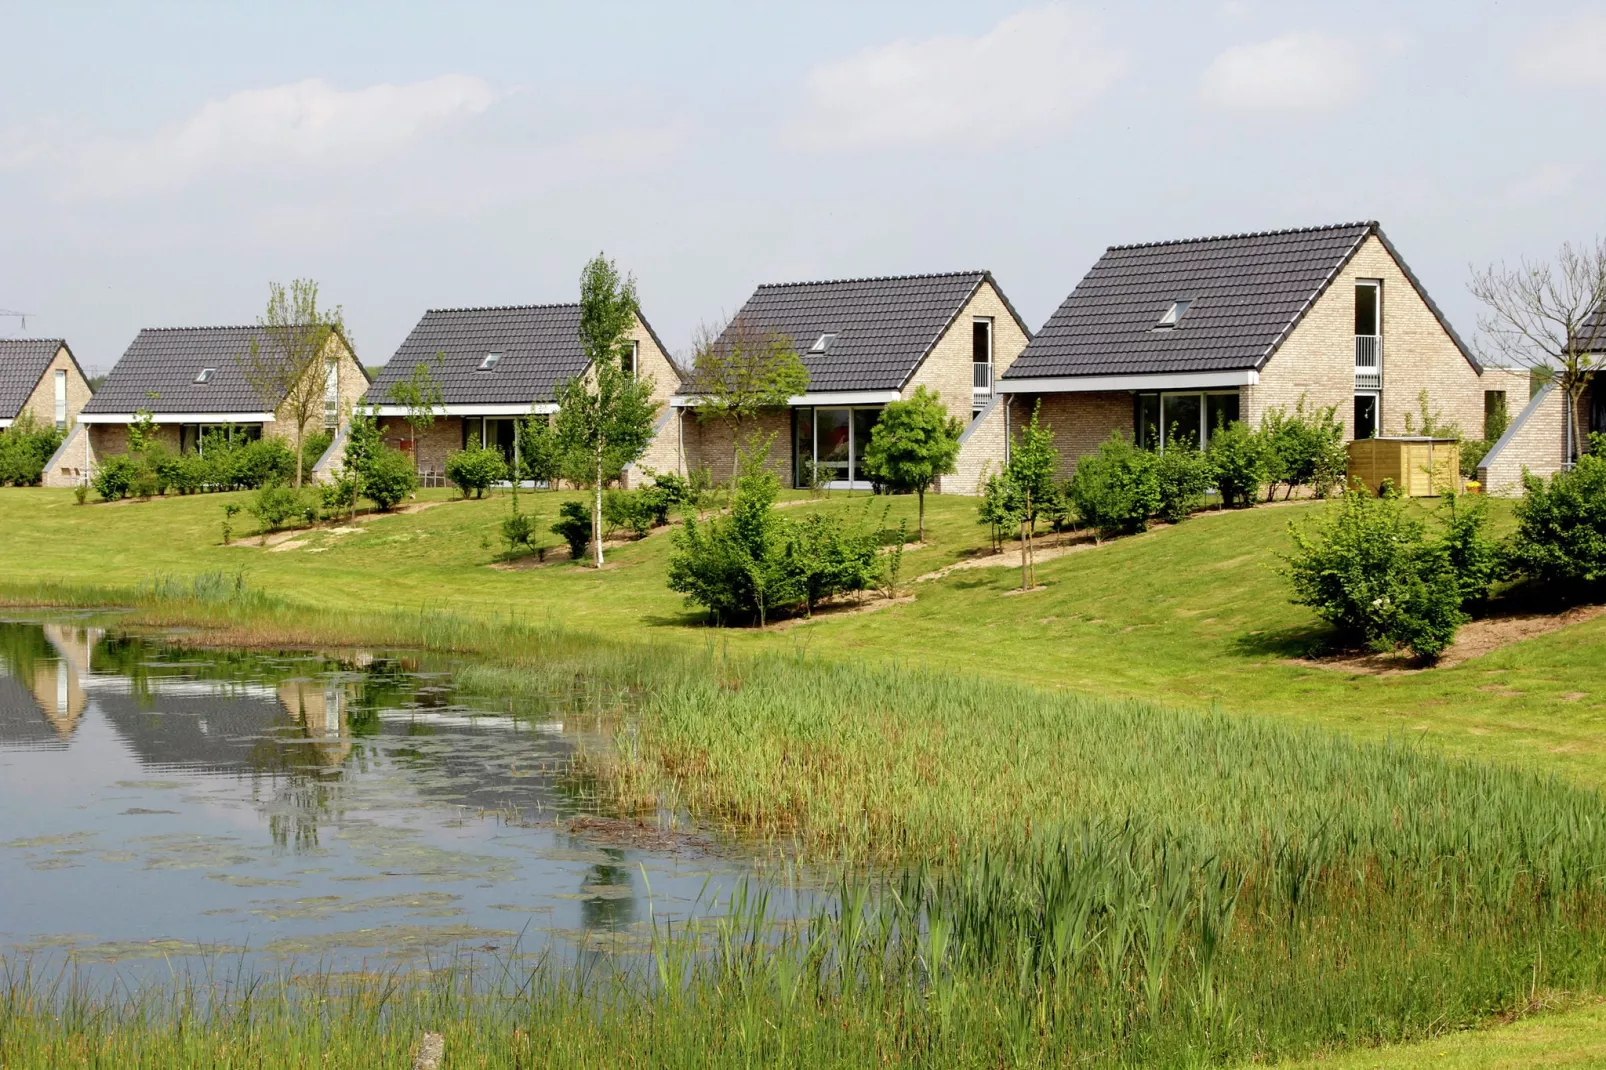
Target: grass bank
{"type": "Point", "coordinates": [1192, 615]}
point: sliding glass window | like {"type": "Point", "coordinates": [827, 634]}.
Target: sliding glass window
{"type": "Point", "coordinates": [832, 440]}
{"type": "Point", "coordinates": [1193, 416]}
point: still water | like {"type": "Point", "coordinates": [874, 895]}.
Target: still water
{"type": "Point", "coordinates": [160, 803]}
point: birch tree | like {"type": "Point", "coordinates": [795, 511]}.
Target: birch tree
{"type": "Point", "coordinates": [285, 365]}
{"type": "Point", "coordinates": [605, 415]}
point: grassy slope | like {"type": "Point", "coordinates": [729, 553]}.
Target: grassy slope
{"type": "Point", "coordinates": [1572, 1039]}
{"type": "Point", "coordinates": [1194, 614]}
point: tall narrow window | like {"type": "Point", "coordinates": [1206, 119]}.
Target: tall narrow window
{"type": "Point", "coordinates": [1365, 415]}
{"type": "Point", "coordinates": [629, 357]}
{"type": "Point", "coordinates": [61, 400]}
{"type": "Point", "coordinates": [1369, 335]}
{"type": "Point", "coordinates": [1495, 416]}
{"type": "Point", "coordinates": [981, 355]}
{"type": "Point", "coordinates": [331, 394]}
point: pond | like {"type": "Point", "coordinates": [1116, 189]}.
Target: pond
{"type": "Point", "coordinates": [159, 803]}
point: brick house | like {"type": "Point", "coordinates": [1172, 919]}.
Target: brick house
{"type": "Point", "coordinates": [867, 342]}
{"type": "Point", "coordinates": [1538, 439]}
{"type": "Point", "coordinates": [1182, 336]}
{"type": "Point", "coordinates": [495, 366]}
{"type": "Point", "coordinates": [189, 380]}
{"type": "Point", "coordinates": [41, 377]}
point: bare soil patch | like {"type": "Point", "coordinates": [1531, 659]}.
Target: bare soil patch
{"type": "Point", "coordinates": [1068, 543]}
{"type": "Point", "coordinates": [845, 606]}
{"type": "Point", "coordinates": [1475, 639]}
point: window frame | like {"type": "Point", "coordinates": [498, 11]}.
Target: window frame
{"type": "Point", "coordinates": [1140, 437]}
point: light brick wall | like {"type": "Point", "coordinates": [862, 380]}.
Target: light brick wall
{"type": "Point", "coordinates": [352, 384]}
{"type": "Point", "coordinates": [711, 443]}
{"type": "Point", "coordinates": [981, 453]}
{"type": "Point", "coordinates": [1536, 442]}
{"type": "Point", "coordinates": [75, 460]}
{"type": "Point", "coordinates": [42, 402]}
{"type": "Point", "coordinates": [1318, 357]}
{"type": "Point", "coordinates": [434, 443]}
{"type": "Point", "coordinates": [1079, 422]}
{"type": "Point", "coordinates": [665, 452]}
{"type": "Point", "coordinates": [946, 371]}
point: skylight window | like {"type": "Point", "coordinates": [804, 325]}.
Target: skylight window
{"type": "Point", "coordinates": [823, 343]}
{"type": "Point", "coordinates": [1173, 315]}
{"type": "Point", "coordinates": [490, 361]}
{"type": "Point", "coordinates": [204, 375]}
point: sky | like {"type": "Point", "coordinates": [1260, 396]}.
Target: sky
{"type": "Point", "coordinates": [160, 164]}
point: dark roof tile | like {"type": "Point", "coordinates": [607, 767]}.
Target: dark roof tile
{"type": "Point", "coordinates": [884, 326]}
{"type": "Point", "coordinates": [1246, 292]}
{"type": "Point", "coordinates": [22, 362]}
{"type": "Point", "coordinates": [157, 373]}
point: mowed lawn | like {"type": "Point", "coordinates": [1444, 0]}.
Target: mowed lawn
{"type": "Point", "coordinates": [1196, 614]}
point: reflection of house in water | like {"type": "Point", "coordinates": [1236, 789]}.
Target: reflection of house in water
{"type": "Point", "coordinates": [320, 706]}
{"type": "Point", "coordinates": [42, 696]}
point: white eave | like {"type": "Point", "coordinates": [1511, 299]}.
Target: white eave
{"type": "Point", "coordinates": [542, 408]}
{"type": "Point", "coordinates": [823, 397]}
{"type": "Point", "coordinates": [177, 417]}
{"type": "Point", "coordinates": [1063, 384]}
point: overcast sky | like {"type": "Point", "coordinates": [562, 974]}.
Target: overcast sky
{"type": "Point", "coordinates": [159, 168]}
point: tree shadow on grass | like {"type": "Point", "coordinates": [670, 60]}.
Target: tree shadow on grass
{"type": "Point", "coordinates": [1300, 641]}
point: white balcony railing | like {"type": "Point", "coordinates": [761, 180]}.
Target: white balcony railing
{"type": "Point", "coordinates": [981, 377]}
{"type": "Point", "coordinates": [1368, 362]}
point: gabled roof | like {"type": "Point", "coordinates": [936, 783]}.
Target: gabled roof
{"type": "Point", "coordinates": [157, 373]}
{"type": "Point", "coordinates": [883, 327]}
{"type": "Point", "coordinates": [22, 363]}
{"type": "Point", "coordinates": [539, 346]}
{"type": "Point", "coordinates": [1246, 293]}
{"type": "Point", "coordinates": [1592, 332]}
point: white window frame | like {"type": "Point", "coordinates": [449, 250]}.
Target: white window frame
{"type": "Point", "coordinates": [633, 367]}
{"type": "Point", "coordinates": [61, 399]}
{"type": "Point", "coordinates": [1204, 412]}
{"type": "Point", "coordinates": [987, 390]}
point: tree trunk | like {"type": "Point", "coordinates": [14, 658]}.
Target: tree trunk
{"type": "Point", "coordinates": [920, 524]}
{"type": "Point", "coordinates": [300, 432]}
{"type": "Point", "coordinates": [1024, 582]}
{"type": "Point", "coordinates": [596, 515]}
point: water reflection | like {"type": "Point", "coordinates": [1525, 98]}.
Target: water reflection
{"type": "Point", "coordinates": [299, 805]}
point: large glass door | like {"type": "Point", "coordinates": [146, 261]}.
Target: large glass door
{"type": "Point", "coordinates": [833, 439]}
{"type": "Point", "coordinates": [833, 444]}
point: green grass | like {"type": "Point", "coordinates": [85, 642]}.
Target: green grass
{"type": "Point", "coordinates": [1191, 615]}
{"type": "Point", "coordinates": [1086, 767]}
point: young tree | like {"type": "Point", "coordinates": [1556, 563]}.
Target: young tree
{"type": "Point", "coordinates": [738, 373]}
{"type": "Point", "coordinates": [912, 444]}
{"type": "Point", "coordinates": [420, 394]}
{"type": "Point", "coordinates": [1029, 489]}
{"type": "Point", "coordinates": [1550, 317]}
{"type": "Point", "coordinates": [605, 416]}
{"type": "Point", "coordinates": [285, 365]}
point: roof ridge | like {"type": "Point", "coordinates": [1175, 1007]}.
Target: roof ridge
{"type": "Point", "coordinates": [32, 341]}
{"type": "Point", "coordinates": [222, 327]}
{"type": "Point", "coordinates": [1245, 234]}
{"type": "Point", "coordinates": [874, 278]}
{"type": "Point", "coordinates": [505, 308]}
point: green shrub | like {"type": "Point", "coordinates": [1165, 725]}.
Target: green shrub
{"type": "Point", "coordinates": [388, 477]}
{"type": "Point", "coordinates": [1303, 449]}
{"type": "Point", "coordinates": [312, 450]}
{"type": "Point", "coordinates": [1371, 571]}
{"type": "Point", "coordinates": [1183, 475]}
{"type": "Point", "coordinates": [258, 463]}
{"type": "Point", "coordinates": [824, 556]}
{"type": "Point", "coordinates": [184, 473]}
{"type": "Point", "coordinates": [517, 530]}
{"type": "Point", "coordinates": [115, 476]}
{"type": "Point", "coordinates": [277, 506]}
{"type": "Point", "coordinates": [1116, 489]}
{"type": "Point", "coordinates": [476, 468]}
{"type": "Point", "coordinates": [732, 565]}
{"type": "Point", "coordinates": [339, 494]}
{"type": "Point", "coordinates": [574, 527]}
{"type": "Point", "coordinates": [1476, 558]}
{"type": "Point", "coordinates": [25, 448]}
{"type": "Point", "coordinates": [1560, 539]}
{"type": "Point", "coordinates": [1237, 459]}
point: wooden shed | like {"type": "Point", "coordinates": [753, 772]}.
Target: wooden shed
{"type": "Point", "coordinates": [1420, 467]}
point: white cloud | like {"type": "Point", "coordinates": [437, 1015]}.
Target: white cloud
{"type": "Point", "coordinates": [288, 129]}
{"type": "Point", "coordinates": [1034, 72]}
{"type": "Point", "coordinates": [1567, 53]}
{"type": "Point", "coordinates": [1295, 72]}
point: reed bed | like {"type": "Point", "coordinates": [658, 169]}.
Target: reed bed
{"type": "Point", "coordinates": [1033, 878]}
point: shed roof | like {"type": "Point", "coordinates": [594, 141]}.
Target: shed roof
{"type": "Point", "coordinates": [1245, 294]}
{"type": "Point", "coordinates": [539, 346]}
{"type": "Point", "coordinates": [22, 364]}
{"type": "Point", "coordinates": [883, 327]}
